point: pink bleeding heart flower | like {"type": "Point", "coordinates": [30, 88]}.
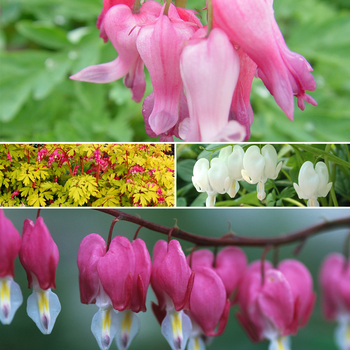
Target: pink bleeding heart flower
{"type": "Point", "coordinates": [210, 69]}
{"type": "Point", "coordinates": [172, 282]}
{"type": "Point", "coordinates": [10, 292]}
{"type": "Point", "coordinates": [275, 308]}
{"type": "Point", "coordinates": [252, 26]}
{"type": "Point", "coordinates": [209, 306]}
{"type": "Point", "coordinates": [160, 45]}
{"type": "Point", "coordinates": [121, 27]}
{"type": "Point", "coordinates": [114, 279]}
{"type": "Point", "coordinates": [230, 264]}
{"type": "Point", "coordinates": [213, 285]}
{"type": "Point", "coordinates": [335, 285]}
{"type": "Point", "coordinates": [39, 256]}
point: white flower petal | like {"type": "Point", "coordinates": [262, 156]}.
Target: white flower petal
{"type": "Point", "coordinates": [43, 308]}
{"type": "Point", "coordinates": [104, 327]}
{"type": "Point", "coordinates": [129, 326]}
{"type": "Point", "coordinates": [10, 299]}
{"type": "Point", "coordinates": [176, 328]}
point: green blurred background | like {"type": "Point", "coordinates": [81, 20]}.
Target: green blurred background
{"type": "Point", "coordinates": [69, 226]}
{"type": "Point", "coordinates": [42, 42]}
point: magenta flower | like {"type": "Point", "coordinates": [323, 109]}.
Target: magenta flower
{"type": "Point", "coordinates": [251, 25]}
{"type": "Point", "coordinates": [160, 45]}
{"type": "Point", "coordinates": [275, 308]}
{"type": "Point", "coordinates": [10, 292]}
{"type": "Point", "coordinates": [172, 282]}
{"type": "Point", "coordinates": [39, 256]}
{"type": "Point", "coordinates": [209, 70]}
{"type": "Point", "coordinates": [117, 279]}
{"type": "Point", "coordinates": [230, 264]}
{"type": "Point", "coordinates": [335, 284]}
{"type": "Point", "coordinates": [121, 27]}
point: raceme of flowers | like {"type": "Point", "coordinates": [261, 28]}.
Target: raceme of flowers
{"type": "Point", "coordinates": [255, 166]}
{"type": "Point", "coordinates": [233, 164]}
{"type": "Point", "coordinates": [201, 76]}
{"type": "Point", "coordinates": [39, 256]}
{"type": "Point", "coordinates": [86, 174]}
{"type": "Point", "coordinates": [194, 293]}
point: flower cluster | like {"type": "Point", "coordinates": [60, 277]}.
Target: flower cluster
{"type": "Point", "coordinates": [138, 170]}
{"type": "Point", "coordinates": [213, 65]}
{"type": "Point", "coordinates": [39, 256]}
{"type": "Point", "coordinates": [233, 164]}
{"type": "Point", "coordinates": [194, 293]}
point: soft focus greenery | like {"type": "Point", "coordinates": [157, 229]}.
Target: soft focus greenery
{"type": "Point", "coordinates": [69, 226]}
{"type": "Point", "coordinates": [42, 42]}
{"type": "Point", "coordinates": [279, 192]}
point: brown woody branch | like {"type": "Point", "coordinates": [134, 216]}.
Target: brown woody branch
{"type": "Point", "coordinates": [233, 239]}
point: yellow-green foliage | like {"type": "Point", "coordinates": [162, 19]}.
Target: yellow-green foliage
{"type": "Point", "coordinates": [109, 175]}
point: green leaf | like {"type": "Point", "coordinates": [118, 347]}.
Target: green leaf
{"type": "Point", "coordinates": [185, 169]}
{"type": "Point", "coordinates": [44, 34]}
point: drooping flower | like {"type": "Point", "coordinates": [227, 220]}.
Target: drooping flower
{"type": "Point", "coordinates": [313, 182]}
{"type": "Point", "coordinates": [172, 282]}
{"type": "Point", "coordinates": [160, 45]}
{"type": "Point", "coordinates": [258, 167]}
{"type": "Point", "coordinates": [200, 180]}
{"type": "Point", "coordinates": [117, 279]}
{"type": "Point", "coordinates": [252, 26]}
{"type": "Point", "coordinates": [10, 292]}
{"type": "Point", "coordinates": [234, 162]}
{"type": "Point", "coordinates": [39, 256]}
{"type": "Point", "coordinates": [215, 285]}
{"type": "Point", "coordinates": [335, 285]}
{"type": "Point", "coordinates": [120, 25]}
{"type": "Point", "coordinates": [274, 308]}
{"type": "Point", "coordinates": [209, 70]}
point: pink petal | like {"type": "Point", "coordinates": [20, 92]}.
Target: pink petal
{"type": "Point", "coordinates": [201, 257]}
{"type": "Point", "coordinates": [10, 245]}
{"type": "Point", "coordinates": [276, 301]}
{"type": "Point", "coordinates": [116, 271]}
{"type": "Point", "coordinates": [142, 275]}
{"type": "Point", "coordinates": [249, 24]}
{"type": "Point", "coordinates": [300, 281]}
{"type": "Point", "coordinates": [39, 253]}
{"type": "Point", "coordinates": [231, 265]}
{"type": "Point", "coordinates": [241, 109]}
{"type": "Point", "coordinates": [159, 46]}
{"type": "Point", "coordinates": [91, 249]}
{"type": "Point", "coordinates": [171, 274]}
{"type": "Point", "coordinates": [208, 299]}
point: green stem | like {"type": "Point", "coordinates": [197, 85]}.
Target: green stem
{"type": "Point", "coordinates": [210, 17]}
{"type": "Point", "coordinates": [166, 9]}
{"type": "Point", "coordinates": [293, 201]}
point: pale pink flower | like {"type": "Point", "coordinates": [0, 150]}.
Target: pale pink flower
{"type": "Point", "coordinates": [160, 45]}
{"type": "Point", "coordinates": [209, 70]}
{"type": "Point", "coordinates": [120, 25]}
